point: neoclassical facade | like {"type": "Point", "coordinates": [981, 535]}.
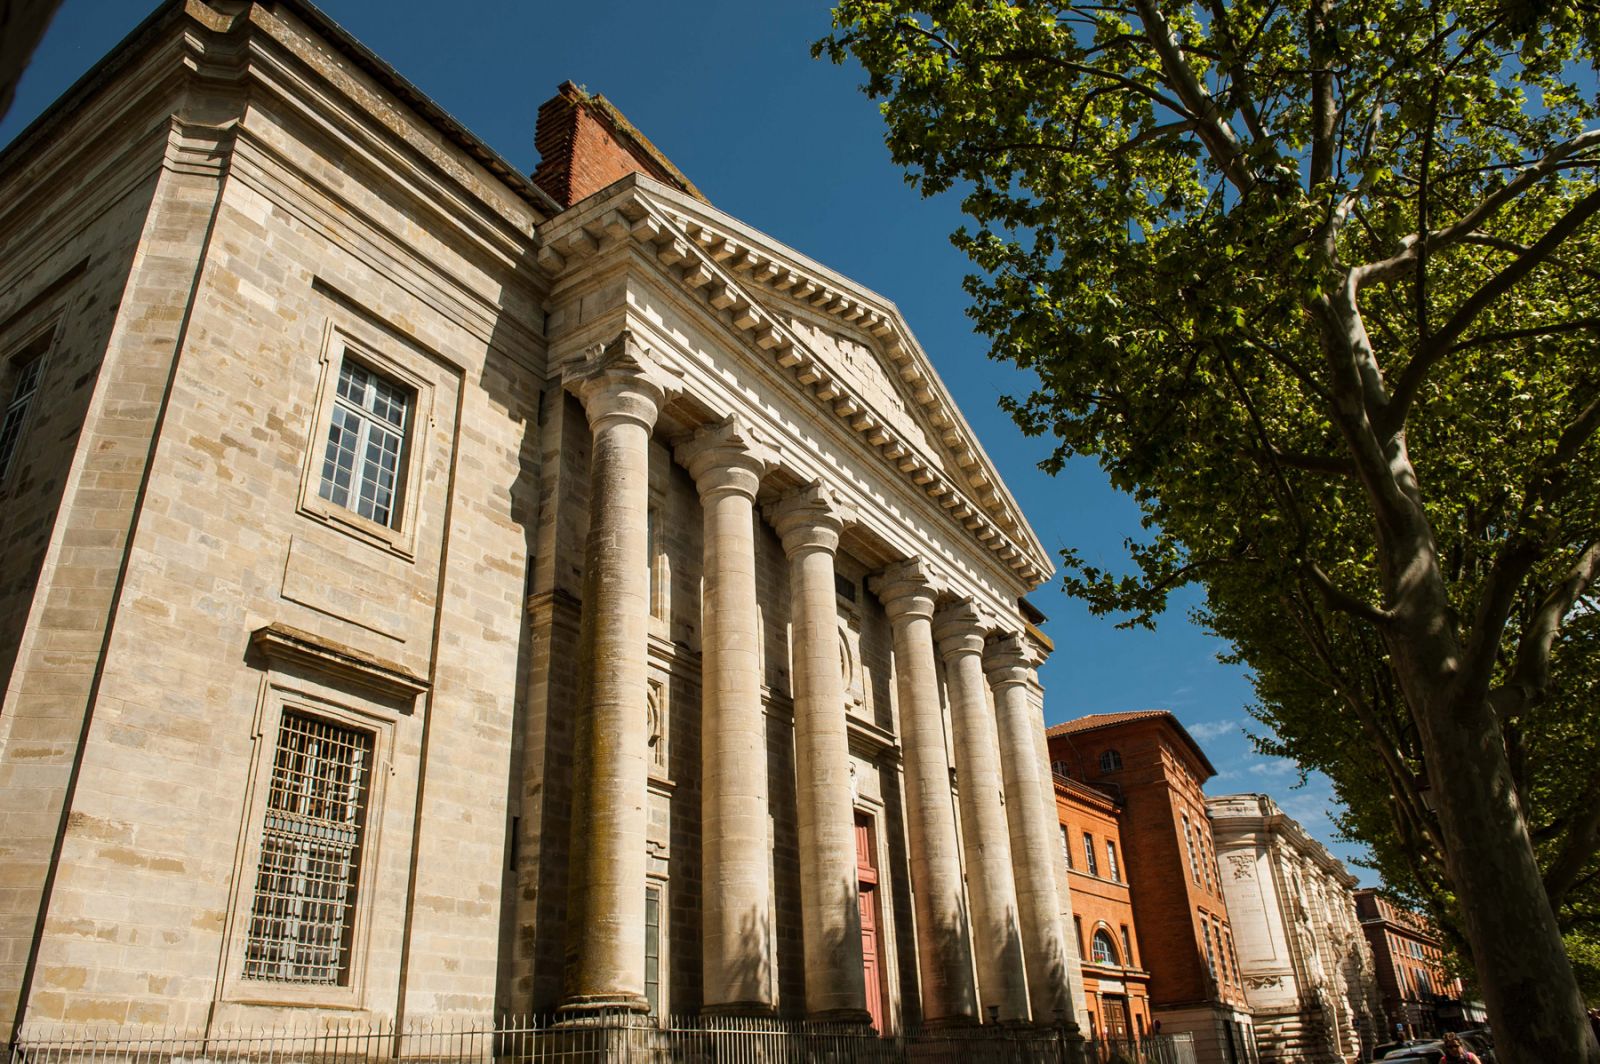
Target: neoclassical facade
{"type": "Point", "coordinates": [427, 589]}
{"type": "Point", "coordinates": [1308, 971]}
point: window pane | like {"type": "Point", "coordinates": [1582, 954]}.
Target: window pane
{"type": "Point", "coordinates": [16, 411]}
{"type": "Point", "coordinates": [366, 441]}
{"type": "Point", "coordinates": [302, 915]}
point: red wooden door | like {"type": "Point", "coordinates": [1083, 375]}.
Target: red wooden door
{"type": "Point", "coordinates": [867, 887]}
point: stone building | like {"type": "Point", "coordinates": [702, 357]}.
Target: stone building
{"type": "Point", "coordinates": [1156, 770]}
{"type": "Point", "coordinates": [1307, 970]}
{"type": "Point", "coordinates": [427, 589]}
{"type": "Point", "coordinates": [1419, 996]}
{"type": "Point", "coordinates": [1116, 973]}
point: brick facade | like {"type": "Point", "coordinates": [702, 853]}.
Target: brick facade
{"type": "Point", "coordinates": [1154, 768]}
{"type": "Point", "coordinates": [1420, 998]}
{"type": "Point", "coordinates": [1116, 982]}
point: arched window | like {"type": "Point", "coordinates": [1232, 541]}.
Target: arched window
{"type": "Point", "coordinates": [1105, 950]}
{"type": "Point", "coordinates": [1110, 761]}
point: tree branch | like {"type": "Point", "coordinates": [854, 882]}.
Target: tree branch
{"type": "Point", "coordinates": [1343, 601]}
{"type": "Point", "coordinates": [1394, 267]}
{"type": "Point", "coordinates": [1435, 346]}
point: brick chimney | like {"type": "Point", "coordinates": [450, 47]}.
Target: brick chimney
{"type": "Point", "coordinates": [584, 144]}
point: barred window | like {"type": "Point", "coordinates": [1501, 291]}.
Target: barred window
{"type": "Point", "coordinates": [361, 468]}
{"type": "Point", "coordinates": [30, 366]}
{"type": "Point", "coordinates": [652, 949]}
{"type": "Point", "coordinates": [303, 915]}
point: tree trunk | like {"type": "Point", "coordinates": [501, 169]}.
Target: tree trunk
{"type": "Point", "coordinates": [1535, 1008]}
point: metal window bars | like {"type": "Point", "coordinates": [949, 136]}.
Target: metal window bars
{"type": "Point", "coordinates": [302, 915]}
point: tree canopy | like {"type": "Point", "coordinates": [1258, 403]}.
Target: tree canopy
{"type": "Point", "coordinates": [1316, 282]}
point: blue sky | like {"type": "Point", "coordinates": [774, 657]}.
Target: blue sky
{"type": "Point", "coordinates": [728, 91]}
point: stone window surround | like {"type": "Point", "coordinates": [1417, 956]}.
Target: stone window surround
{"type": "Point", "coordinates": [346, 705]}
{"type": "Point", "coordinates": [406, 368]}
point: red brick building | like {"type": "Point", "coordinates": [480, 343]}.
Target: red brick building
{"type": "Point", "coordinates": [1116, 981]}
{"type": "Point", "coordinates": [1420, 997]}
{"type": "Point", "coordinates": [1153, 767]}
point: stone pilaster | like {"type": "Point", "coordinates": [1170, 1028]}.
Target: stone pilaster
{"type": "Point", "coordinates": [996, 934]}
{"type": "Point", "coordinates": [622, 388]}
{"type": "Point", "coordinates": [944, 945]}
{"type": "Point", "coordinates": [1034, 830]}
{"type": "Point", "coordinates": [809, 522]}
{"type": "Point", "coordinates": [727, 464]}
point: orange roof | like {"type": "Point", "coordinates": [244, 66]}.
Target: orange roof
{"type": "Point", "coordinates": [1104, 720]}
{"type": "Point", "coordinates": [1096, 721]}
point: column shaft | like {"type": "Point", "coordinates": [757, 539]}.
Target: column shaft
{"type": "Point", "coordinates": [996, 934]}
{"type": "Point", "coordinates": [610, 827]}
{"type": "Point", "coordinates": [835, 987]}
{"type": "Point", "coordinates": [736, 854]}
{"type": "Point", "coordinates": [1035, 837]}
{"type": "Point", "coordinates": [622, 388]}
{"type": "Point", "coordinates": [944, 946]}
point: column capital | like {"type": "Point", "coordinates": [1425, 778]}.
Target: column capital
{"type": "Point", "coordinates": [809, 517]}
{"type": "Point", "coordinates": [727, 456]}
{"type": "Point", "coordinates": [906, 589]}
{"type": "Point", "coordinates": [1010, 657]}
{"type": "Point", "coordinates": [959, 628]}
{"type": "Point", "coordinates": [620, 380]}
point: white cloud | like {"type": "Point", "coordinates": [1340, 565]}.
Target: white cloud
{"type": "Point", "coordinates": [1207, 730]}
{"type": "Point", "coordinates": [1277, 766]}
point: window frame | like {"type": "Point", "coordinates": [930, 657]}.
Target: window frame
{"type": "Point", "coordinates": [280, 695]}
{"type": "Point", "coordinates": [1110, 761]}
{"type": "Point", "coordinates": [400, 535]}
{"type": "Point", "coordinates": [41, 340]}
{"type": "Point", "coordinates": [1100, 934]}
{"type": "Point", "coordinates": [1091, 865]}
{"type": "Point", "coordinates": [1113, 866]}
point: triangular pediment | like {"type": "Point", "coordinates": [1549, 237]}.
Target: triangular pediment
{"type": "Point", "coordinates": [844, 344]}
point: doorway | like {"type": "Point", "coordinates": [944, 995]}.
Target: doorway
{"type": "Point", "coordinates": [871, 912]}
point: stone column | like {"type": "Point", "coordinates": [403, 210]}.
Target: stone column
{"type": "Point", "coordinates": [944, 945]}
{"type": "Point", "coordinates": [996, 934]}
{"type": "Point", "coordinates": [622, 388]}
{"type": "Point", "coordinates": [727, 463]}
{"type": "Point", "coordinates": [809, 523]}
{"type": "Point", "coordinates": [1035, 831]}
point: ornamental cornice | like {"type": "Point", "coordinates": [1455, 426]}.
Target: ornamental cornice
{"type": "Point", "coordinates": [723, 269]}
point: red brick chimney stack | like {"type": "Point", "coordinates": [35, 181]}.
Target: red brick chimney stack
{"type": "Point", "coordinates": [585, 144]}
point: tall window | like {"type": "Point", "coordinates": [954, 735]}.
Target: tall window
{"type": "Point", "coordinates": [1211, 957]}
{"type": "Point", "coordinates": [29, 364]}
{"type": "Point", "coordinates": [1188, 842]}
{"type": "Point", "coordinates": [1077, 927]}
{"type": "Point", "coordinates": [1105, 951]}
{"type": "Point", "coordinates": [1112, 868]}
{"type": "Point", "coordinates": [1066, 847]}
{"type": "Point", "coordinates": [1089, 863]}
{"type": "Point", "coordinates": [652, 948]}
{"type": "Point", "coordinates": [1127, 946]}
{"type": "Point", "coordinates": [303, 915]}
{"type": "Point", "coordinates": [366, 441]}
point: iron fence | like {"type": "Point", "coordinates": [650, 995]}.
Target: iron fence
{"type": "Point", "coordinates": [609, 1038]}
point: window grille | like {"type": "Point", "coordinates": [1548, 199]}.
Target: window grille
{"type": "Point", "coordinates": [366, 437]}
{"type": "Point", "coordinates": [30, 366]}
{"type": "Point", "coordinates": [844, 587]}
{"type": "Point", "coordinates": [652, 949]}
{"type": "Point", "coordinates": [304, 910]}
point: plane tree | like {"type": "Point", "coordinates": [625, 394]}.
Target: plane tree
{"type": "Point", "coordinates": [1316, 283]}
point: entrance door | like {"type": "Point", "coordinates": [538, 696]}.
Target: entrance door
{"type": "Point", "coordinates": [867, 886]}
{"type": "Point", "coordinates": [1115, 1011]}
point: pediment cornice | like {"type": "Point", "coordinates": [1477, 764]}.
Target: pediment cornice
{"type": "Point", "coordinates": [772, 296]}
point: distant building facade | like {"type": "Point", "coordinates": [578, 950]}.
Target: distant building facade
{"type": "Point", "coordinates": [1308, 972]}
{"type": "Point", "coordinates": [1420, 997]}
{"type": "Point", "coordinates": [427, 590]}
{"type": "Point", "coordinates": [1116, 973]}
{"type": "Point", "coordinates": [1156, 771]}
